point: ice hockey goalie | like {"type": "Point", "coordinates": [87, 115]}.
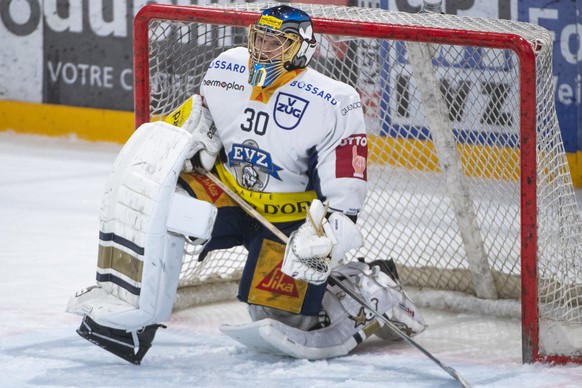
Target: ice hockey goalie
{"type": "Point", "coordinates": [292, 143]}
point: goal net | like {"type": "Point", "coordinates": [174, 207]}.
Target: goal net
{"type": "Point", "coordinates": [469, 185]}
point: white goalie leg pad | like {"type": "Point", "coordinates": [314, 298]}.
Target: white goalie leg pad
{"type": "Point", "coordinates": [108, 305]}
{"type": "Point", "coordinates": [302, 322]}
{"type": "Point", "coordinates": [139, 260]}
{"type": "Point", "coordinates": [348, 322]}
{"type": "Point", "coordinates": [274, 337]}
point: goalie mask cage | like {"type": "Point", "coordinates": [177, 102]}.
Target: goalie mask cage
{"type": "Point", "coordinates": [469, 185]}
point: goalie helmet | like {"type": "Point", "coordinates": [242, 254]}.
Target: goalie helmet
{"type": "Point", "coordinates": [281, 40]}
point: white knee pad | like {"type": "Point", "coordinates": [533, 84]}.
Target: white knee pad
{"type": "Point", "coordinates": [141, 226]}
{"type": "Point", "coordinates": [191, 217]}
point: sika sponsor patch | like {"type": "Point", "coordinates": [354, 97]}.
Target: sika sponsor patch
{"type": "Point", "coordinates": [271, 287]}
{"type": "Point", "coordinates": [279, 283]}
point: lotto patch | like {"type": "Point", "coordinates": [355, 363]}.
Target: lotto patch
{"type": "Point", "coordinates": [351, 158]}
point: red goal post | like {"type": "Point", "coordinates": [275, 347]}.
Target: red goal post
{"type": "Point", "coordinates": [394, 36]}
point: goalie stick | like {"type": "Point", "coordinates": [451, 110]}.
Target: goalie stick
{"type": "Point", "coordinates": [248, 208]}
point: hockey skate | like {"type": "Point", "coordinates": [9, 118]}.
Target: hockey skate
{"type": "Point", "coordinates": [131, 346]}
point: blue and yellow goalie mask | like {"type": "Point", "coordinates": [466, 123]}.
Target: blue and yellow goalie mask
{"type": "Point", "coordinates": [280, 41]}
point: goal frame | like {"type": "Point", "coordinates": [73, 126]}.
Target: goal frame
{"type": "Point", "coordinates": [527, 68]}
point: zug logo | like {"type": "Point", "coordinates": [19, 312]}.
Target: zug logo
{"type": "Point", "coordinates": [289, 110]}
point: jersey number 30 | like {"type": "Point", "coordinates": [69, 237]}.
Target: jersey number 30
{"type": "Point", "coordinates": [256, 121]}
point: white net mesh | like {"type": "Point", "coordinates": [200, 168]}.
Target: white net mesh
{"type": "Point", "coordinates": [444, 231]}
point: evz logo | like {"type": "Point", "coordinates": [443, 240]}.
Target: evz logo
{"type": "Point", "coordinates": [289, 110]}
{"type": "Point", "coordinates": [253, 167]}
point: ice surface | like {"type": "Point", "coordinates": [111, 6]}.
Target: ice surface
{"type": "Point", "coordinates": [50, 193]}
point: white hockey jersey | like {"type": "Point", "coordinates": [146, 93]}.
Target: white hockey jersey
{"type": "Point", "coordinates": [304, 136]}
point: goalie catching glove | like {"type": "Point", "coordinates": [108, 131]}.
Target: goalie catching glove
{"type": "Point", "coordinates": [319, 245]}
{"type": "Point", "coordinates": [194, 117]}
